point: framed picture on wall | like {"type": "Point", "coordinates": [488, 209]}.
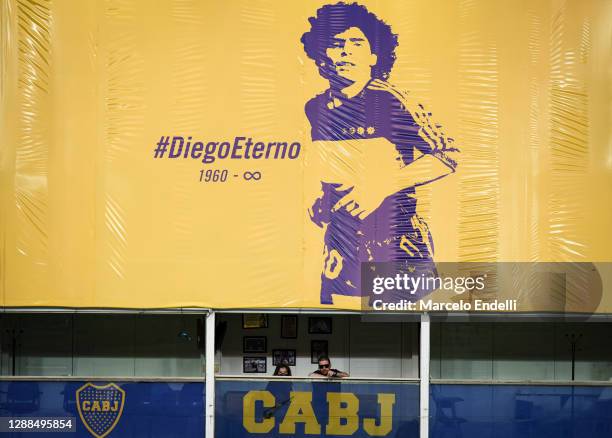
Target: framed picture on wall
{"type": "Point", "coordinates": [318, 348]}
{"type": "Point", "coordinates": [254, 320]}
{"type": "Point", "coordinates": [319, 325]}
{"type": "Point", "coordinates": [251, 364]}
{"type": "Point", "coordinates": [289, 326]}
{"type": "Point", "coordinates": [286, 357]}
{"type": "Point", "coordinates": [254, 344]}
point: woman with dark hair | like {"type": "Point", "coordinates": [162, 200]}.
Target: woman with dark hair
{"type": "Point", "coordinates": [281, 389]}
{"type": "Point", "coordinates": [377, 147]}
{"type": "Point", "coordinates": [282, 370]}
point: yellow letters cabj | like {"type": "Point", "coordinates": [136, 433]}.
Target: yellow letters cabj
{"type": "Point", "coordinates": [342, 409]}
{"type": "Point", "coordinates": [95, 406]}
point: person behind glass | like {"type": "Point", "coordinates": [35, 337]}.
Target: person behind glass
{"type": "Point", "coordinates": [325, 370]}
{"type": "Point", "coordinates": [282, 371]}
{"type": "Point", "coordinates": [281, 389]}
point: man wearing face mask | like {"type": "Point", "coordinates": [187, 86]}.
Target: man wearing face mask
{"type": "Point", "coordinates": [326, 371]}
{"type": "Point", "coordinates": [371, 215]}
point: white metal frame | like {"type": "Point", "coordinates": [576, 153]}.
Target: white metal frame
{"type": "Point", "coordinates": [424, 359]}
{"type": "Point", "coordinates": [210, 375]}
{"type": "Point", "coordinates": [210, 316]}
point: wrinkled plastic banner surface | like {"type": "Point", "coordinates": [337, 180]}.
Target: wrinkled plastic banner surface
{"type": "Point", "coordinates": [257, 154]}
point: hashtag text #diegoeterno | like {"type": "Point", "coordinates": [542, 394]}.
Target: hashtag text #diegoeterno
{"type": "Point", "coordinates": [240, 148]}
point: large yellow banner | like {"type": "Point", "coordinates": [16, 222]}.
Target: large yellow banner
{"type": "Point", "coordinates": [262, 154]}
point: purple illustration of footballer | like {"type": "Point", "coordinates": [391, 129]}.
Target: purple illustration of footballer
{"type": "Point", "coordinates": [371, 147]}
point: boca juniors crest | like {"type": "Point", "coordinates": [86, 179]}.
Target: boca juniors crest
{"type": "Point", "coordinates": [100, 407]}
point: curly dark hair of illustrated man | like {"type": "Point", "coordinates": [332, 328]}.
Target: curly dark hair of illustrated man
{"type": "Point", "coordinates": [334, 19]}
